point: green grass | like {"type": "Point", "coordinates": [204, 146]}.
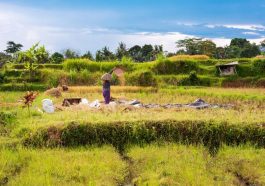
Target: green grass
{"type": "Point", "coordinates": [170, 164]}
{"type": "Point", "coordinates": [93, 166]}
{"type": "Point", "coordinates": [189, 165]}
{"type": "Point", "coordinates": [175, 165]}
{"type": "Point", "coordinates": [249, 106]}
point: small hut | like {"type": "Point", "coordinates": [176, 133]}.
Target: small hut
{"type": "Point", "coordinates": [227, 69]}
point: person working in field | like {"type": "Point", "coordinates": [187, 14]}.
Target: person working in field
{"type": "Point", "coordinates": [106, 78]}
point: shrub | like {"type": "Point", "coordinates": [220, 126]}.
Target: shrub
{"type": "Point", "coordinates": [40, 66]}
{"type": "Point", "coordinates": [260, 82]}
{"type": "Point", "coordinates": [2, 77]}
{"type": "Point", "coordinates": [7, 118]}
{"type": "Point", "coordinates": [245, 70]}
{"type": "Point", "coordinates": [121, 134]}
{"type": "Point", "coordinates": [85, 64]}
{"type": "Point", "coordinates": [141, 78]}
{"type": "Point", "coordinates": [235, 81]}
{"type": "Point", "coordinates": [176, 67]}
{"type": "Point", "coordinates": [52, 78]}
{"type": "Point", "coordinates": [22, 87]}
{"type": "Point", "coordinates": [192, 80]}
{"type": "Point", "coordinates": [259, 67]}
{"type": "Point", "coordinates": [14, 72]}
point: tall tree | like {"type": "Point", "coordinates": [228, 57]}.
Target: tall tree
{"type": "Point", "coordinates": [147, 53]}
{"type": "Point", "coordinates": [158, 49]}
{"type": "Point", "coordinates": [207, 47]}
{"type": "Point", "coordinates": [135, 53]}
{"type": "Point", "coordinates": [232, 52]}
{"type": "Point", "coordinates": [70, 54]}
{"type": "Point", "coordinates": [57, 58]}
{"type": "Point", "coordinates": [105, 55]}
{"type": "Point", "coordinates": [190, 45]}
{"type": "Point", "coordinates": [88, 55]}
{"type": "Point", "coordinates": [121, 51]}
{"type": "Point", "coordinates": [239, 42]}
{"type": "Point", "coordinates": [262, 43]}
{"type": "Point", "coordinates": [13, 47]}
{"type": "Point", "coordinates": [243, 48]}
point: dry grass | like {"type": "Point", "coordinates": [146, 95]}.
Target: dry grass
{"type": "Point", "coordinates": [114, 89]}
{"type": "Point", "coordinates": [249, 106]}
{"type": "Point", "coordinates": [195, 57]}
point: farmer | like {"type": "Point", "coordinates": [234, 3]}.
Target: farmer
{"type": "Point", "coordinates": [106, 78]}
{"type": "Point", "coordinates": [106, 91]}
{"type": "Point", "coordinates": [107, 81]}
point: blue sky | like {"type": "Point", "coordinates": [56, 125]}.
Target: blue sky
{"type": "Point", "coordinates": [92, 24]}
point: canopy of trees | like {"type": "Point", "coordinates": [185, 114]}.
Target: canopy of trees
{"type": "Point", "coordinates": [12, 47]}
{"type": "Point", "coordinates": [238, 48]}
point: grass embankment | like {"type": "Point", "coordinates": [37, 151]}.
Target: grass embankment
{"type": "Point", "coordinates": [93, 166]}
{"type": "Point", "coordinates": [164, 72]}
{"type": "Point", "coordinates": [123, 134]}
{"type": "Point", "coordinates": [189, 165]}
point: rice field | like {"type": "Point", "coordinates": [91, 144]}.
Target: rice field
{"type": "Point", "coordinates": [189, 165]}
{"type": "Point", "coordinates": [159, 163]}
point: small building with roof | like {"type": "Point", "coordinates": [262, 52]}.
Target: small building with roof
{"type": "Point", "coordinates": [227, 69]}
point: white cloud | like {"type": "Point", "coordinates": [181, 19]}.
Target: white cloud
{"type": "Point", "coordinates": [251, 33]}
{"type": "Point", "coordinates": [56, 31]}
{"type": "Point", "coordinates": [211, 26]}
{"type": "Point", "coordinates": [247, 27]}
{"type": "Point", "coordinates": [253, 27]}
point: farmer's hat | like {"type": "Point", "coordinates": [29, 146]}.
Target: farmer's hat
{"type": "Point", "coordinates": [106, 77]}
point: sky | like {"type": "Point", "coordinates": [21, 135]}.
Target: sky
{"type": "Point", "coordinates": [85, 25]}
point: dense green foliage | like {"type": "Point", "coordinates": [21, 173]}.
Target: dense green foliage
{"type": "Point", "coordinates": [164, 71]}
{"type": "Point", "coordinates": [120, 134]}
{"type": "Point", "coordinates": [238, 48]}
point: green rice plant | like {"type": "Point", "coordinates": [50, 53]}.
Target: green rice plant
{"type": "Point", "coordinates": [82, 64]}
{"type": "Point", "coordinates": [175, 67]}
{"type": "Point", "coordinates": [120, 134]}
{"type": "Point", "coordinates": [170, 164]}
{"type": "Point", "coordinates": [81, 166]}
{"type": "Point", "coordinates": [22, 87]}
{"type": "Point", "coordinates": [7, 117]}
{"type": "Point", "coordinates": [259, 67]}
{"type": "Point", "coordinates": [11, 164]}
{"type": "Point", "coordinates": [140, 78]}
{"type": "Point", "coordinates": [245, 163]}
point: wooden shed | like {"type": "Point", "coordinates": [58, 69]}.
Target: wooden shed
{"type": "Point", "coordinates": [227, 69]}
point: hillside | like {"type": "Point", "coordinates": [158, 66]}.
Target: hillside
{"type": "Point", "coordinates": [163, 72]}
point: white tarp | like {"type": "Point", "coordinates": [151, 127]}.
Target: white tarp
{"type": "Point", "coordinates": [48, 106]}
{"type": "Point", "coordinates": [95, 104]}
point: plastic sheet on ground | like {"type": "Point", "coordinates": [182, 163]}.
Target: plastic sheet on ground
{"type": "Point", "coordinates": [95, 104]}
{"type": "Point", "coordinates": [197, 104]}
{"type": "Point", "coordinates": [84, 101]}
{"type": "Point", "coordinates": [48, 106]}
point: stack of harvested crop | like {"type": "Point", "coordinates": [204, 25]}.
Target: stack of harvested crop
{"type": "Point", "coordinates": [54, 92]}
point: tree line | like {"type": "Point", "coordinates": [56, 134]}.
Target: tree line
{"type": "Point", "coordinates": [238, 48]}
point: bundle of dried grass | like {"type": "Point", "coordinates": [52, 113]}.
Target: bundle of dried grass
{"type": "Point", "coordinates": [54, 92]}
